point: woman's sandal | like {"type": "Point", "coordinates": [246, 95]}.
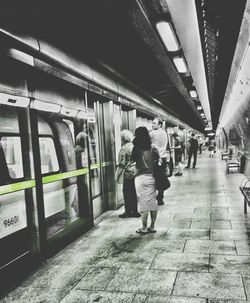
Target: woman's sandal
{"type": "Point", "coordinates": [142, 231]}
{"type": "Point", "coordinates": [152, 231]}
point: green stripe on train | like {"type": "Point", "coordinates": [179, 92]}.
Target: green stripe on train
{"type": "Point", "coordinates": [94, 166]}
{"type": "Point", "coordinates": [107, 163]}
{"type": "Point", "coordinates": [10, 188]}
{"type": "Point", "coordinates": [66, 175]}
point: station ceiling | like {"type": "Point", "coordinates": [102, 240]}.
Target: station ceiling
{"type": "Point", "coordinates": [120, 36]}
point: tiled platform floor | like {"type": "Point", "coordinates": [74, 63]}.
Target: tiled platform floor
{"type": "Point", "coordinates": [200, 253]}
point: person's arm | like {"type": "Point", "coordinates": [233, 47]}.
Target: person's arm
{"type": "Point", "coordinates": [122, 158]}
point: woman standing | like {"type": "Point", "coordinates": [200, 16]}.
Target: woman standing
{"type": "Point", "coordinates": [145, 155]}
{"type": "Point", "coordinates": [126, 170]}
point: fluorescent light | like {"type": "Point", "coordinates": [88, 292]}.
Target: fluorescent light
{"type": "Point", "coordinates": [202, 115]}
{"type": "Point", "coordinates": [180, 64]}
{"type": "Point", "coordinates": [46, 106]}
{"type": "Point", "coordinates": [21, 56]}
{"type": "Point", "coordinates": [199, 107]}
{"type": "Point", "coordinates": [193, 94]}
{"type": "Point", "coordinates": [68, 112]}
{"type": "Point", "coordinates": [167, 35]}
{"type": "Point", "coordinates": [14, 100]}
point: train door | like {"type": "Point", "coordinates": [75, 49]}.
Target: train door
{"type": "Point", "coordinates": [100, 127]}
{"type": "Point", "coordinates": [117, 120]}
{"type": "Point", "coordinates": [108, 142]}
{"type": "Point", "coordinates": [63, 178]}
{"type": "Point", "coordinates": [95, 162]}
{"type": "Point", "coordinates": [18, 225]}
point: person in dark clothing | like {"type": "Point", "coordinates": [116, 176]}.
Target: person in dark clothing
{"type": "Point", "coordinates": [193, 148]}
{"type": "Point", "coordinates": [178, 145]}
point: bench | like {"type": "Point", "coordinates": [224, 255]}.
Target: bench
{"type": "Point", "coordinates": [226, 154]}
{"type": "Point", "coordinates": [234, 162]}
{"type": "Point", "coordinates": [245, 190]}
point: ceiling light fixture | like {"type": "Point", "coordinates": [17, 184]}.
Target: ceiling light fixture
{"type": "Point", "coordinates": [168, 36]}
{"type": "Point", "coordinates": [180, 64]}
{"type": "Point", "coordinates": [193, 94]}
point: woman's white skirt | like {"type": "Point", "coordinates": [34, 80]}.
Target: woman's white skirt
{"type": "Point", "coordinates": [146, 193]}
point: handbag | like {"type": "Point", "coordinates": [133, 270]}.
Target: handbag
{"type": "Point", "coordinates": [161, 179]}
{"type": "Point", "coordinates": [130, 170]}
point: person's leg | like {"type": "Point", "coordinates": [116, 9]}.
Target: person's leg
{"type": "Point", "coordinates": [133, 199]}
{"type": "Point", "coordinates": [153, 215]}
{"type": "Point", "coordinates": [195, 158]}
{"type": "Point", "coordinates": [144, 218]}
{"type": "Point", "coordinates": [126, 197]}
{"type": "Point", "coordinates": [129, 195]}
{"type": "Point", "coordinates": [180, 169]}
{"type": "Point", "coordinates": [159, 197]}
{"type": "Point", "coordinates": [189, 158]}
{"type": "Point", "coordinates": [160, 193]}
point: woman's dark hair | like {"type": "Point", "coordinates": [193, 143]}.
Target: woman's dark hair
{"type": "Point", "coordinates": [142, 139]}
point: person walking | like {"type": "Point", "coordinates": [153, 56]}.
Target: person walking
{"type": "Point", "coordinates": [145, 154]}
{"type": "Point", "coordinates": [160, 139]}
{"type": "Point", "coordinates": [193, 148]}
{"type": "Point", "coordinates": [125, 173]}
{"type": "Point", "coordinates": [211, 147]}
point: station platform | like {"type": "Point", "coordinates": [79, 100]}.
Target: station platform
{"type": "Point", "coordinates": [200, 253]}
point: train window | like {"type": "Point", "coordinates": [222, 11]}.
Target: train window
{"type": "Point", "coordinates": [64, 130]}
{"type": "Point", "coordinates": [13, 155]}
{"type": "Point", "coordinates": [49, 162]}
{"type": "Point", "coordinates": [94, 158]}
{"type": "Point", "coordinates": [8, 120]}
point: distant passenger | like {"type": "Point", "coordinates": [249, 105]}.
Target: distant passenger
{"type": "Point", "coordinates": [211, 147]}
{"type": "Point", "coordinates": [178, 145]}
{"type": "Point", "coordinates": [200, 141]}
{"type": "Point", "coordinates": [144, 154]}
{"type": "Point", "coordinates": [193, 148]}
{"type": "Point", "coordinates": [160, 139]}
{"type": "Point", "coordinates": [126, 171]}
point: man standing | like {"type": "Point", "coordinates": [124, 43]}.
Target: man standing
{"type": "Point", "coordinates": [193, 148]}
{"type": "Point", "coordinates": [160, 139]}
